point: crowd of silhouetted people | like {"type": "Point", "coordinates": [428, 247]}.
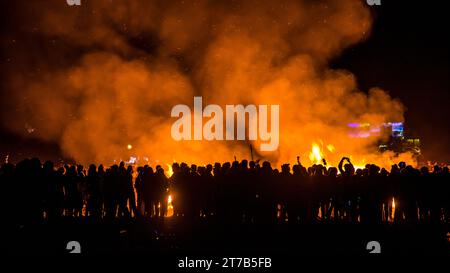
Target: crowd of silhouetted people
{"type": "Point", "coordinates": [237, 192]}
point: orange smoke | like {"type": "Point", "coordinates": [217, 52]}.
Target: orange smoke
{"type": "Point", "coordinates": [106, 74]}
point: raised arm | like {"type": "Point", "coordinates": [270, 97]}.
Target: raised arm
{"type": "Point", "coordinates": [340, 165]}
{"type": "Point", "coordinates": [298, 161]}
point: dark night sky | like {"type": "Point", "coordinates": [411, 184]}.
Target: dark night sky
{"type": "Point", "coordinates": [407, 55]}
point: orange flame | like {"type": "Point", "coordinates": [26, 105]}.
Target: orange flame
{"type": "Point", "coordinates": [169, 171]}
{"type": "Point", "coordinates": [169, 206]}
{"type": "Point", "coordinates": [316, 154]}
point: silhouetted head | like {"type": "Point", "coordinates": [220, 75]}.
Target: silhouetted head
{"type": "Point", "coordinates": [148, 170]}
{"type": "Point", "coordinates": [92, 169]}
{"type": "Point", "coordinates": [374, 169]}
{"type": "Point", "coordinates": [424, 170]}
{"type": "Point", "coordinates": [285, 168]}
{"type": "Point", "coordinates": [266, 165]}
{"type": "Point", "coordinates": [349, 169]}
{"type": "Point", "coordinates": [360, 172]}
{"type": "Point", "coordinates": [317, 169]}
{"type": "Point", "coordinates": [402, 165]}
{"type": "Point", "coordinates": [408, 170]}
{"type": "Point", "coordinates": [332, 171]}
{"type": "Point", "coordinates": [395, 169]}
{"type": "Point", "coordinates": [175, 167]}
{"type": "Point", "coordinates": [217, 168]}
{"type": "Point", "coordinates": [159, 170]}
{"type": "Point", "coordinates": [365, 171]}
{"type": "Point", "coordinates": [235, 164]}
{"type": "Point", "coordinates": [445, 170]}
{"type": "Point", "coordinates": [303, 171]}
{"type": "Point", "coordinates": [252, 164]}
{"type": "Point", "coordinates": [35, 164]}
{"type": "Point", "coordinates": [244, 164]}
{"type": "Point", "coordinates": [436, 169]}
{"type": "Point", "coordinates": [48, 166]}
{"type": "Point", "coordinates": [226, 166]}
{"type": "Point", "coordinates": [72, 170]}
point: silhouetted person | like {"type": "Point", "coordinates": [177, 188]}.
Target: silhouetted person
{"type": "Point", "coordinates": [234, 194]}
{"type": "Point", "coordinates": [149, 191]}
{"type": "Point", "coordinates": [161, 192]}
{"type": "Point", "coordinates": [139, 186]}
{"type": "Point", "coordinates": [93, 207]}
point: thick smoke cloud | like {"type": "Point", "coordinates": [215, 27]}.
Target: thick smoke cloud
{"type": "Point", "coordinates": [104, 75]}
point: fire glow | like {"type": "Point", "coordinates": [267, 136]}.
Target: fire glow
{"type": "Point", "coordinates": [213, 128]}
{"type": "Point", "coordinates": [116, 92]}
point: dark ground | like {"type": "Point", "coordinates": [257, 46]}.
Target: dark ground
{"type": "Point", "coordinates": [172, 240]}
